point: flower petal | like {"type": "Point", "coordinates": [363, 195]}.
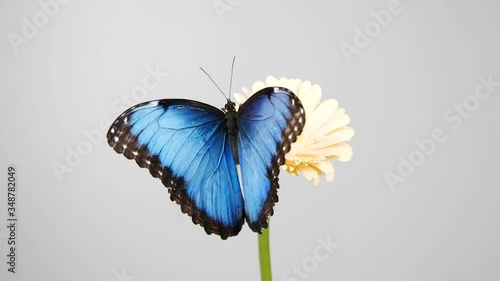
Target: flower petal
{"type": "Point", "coordinates": [259, 85]}
{"type": "Point", "coordinates": [319, 118]}
{"type": "Point", "coordinates": [340, 135]}
{"type": "Point", "coordinates": [240, 98]}
{"type": "Point", "coordinates": [344, 152]}
{"type": "Point", "coordinates": [271, 81]}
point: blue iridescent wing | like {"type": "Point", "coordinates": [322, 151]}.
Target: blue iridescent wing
{"type": "Point", "coordinates": [185, 144]}
{"type": "Point", "coordinates": [268, 122]}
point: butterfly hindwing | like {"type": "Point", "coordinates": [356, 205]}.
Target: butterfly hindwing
{"type": "Point", "coordinates": [185, 144]}
{"type": "Point", "coordinates": [268, 122]}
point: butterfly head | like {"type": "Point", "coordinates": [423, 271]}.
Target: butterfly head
{"type": "Point", "coordinates": [230, 106]}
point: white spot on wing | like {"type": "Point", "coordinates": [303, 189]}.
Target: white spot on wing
{"type": "Point", "coordinates": [238, 170]}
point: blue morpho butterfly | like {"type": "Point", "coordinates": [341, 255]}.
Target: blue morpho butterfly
{"type": "Point", "coordinates": [193, 148]}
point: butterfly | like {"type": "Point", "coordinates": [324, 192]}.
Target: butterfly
{"type": "Point", "coordinates": [194, 149]}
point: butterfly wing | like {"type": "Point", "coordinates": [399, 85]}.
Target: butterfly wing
{"type": "Point", "coordinates": [185, 144]}
{"type": "Point", "coordinates": [268, 122]}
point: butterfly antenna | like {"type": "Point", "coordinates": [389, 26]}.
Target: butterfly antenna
{"type": "Point", "coordinates": [214, 82]}
{"type": "Point", "coordinates": [231, 80]}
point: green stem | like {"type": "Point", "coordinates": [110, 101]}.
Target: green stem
{"type": "Point", "coordinates": [265, 256]}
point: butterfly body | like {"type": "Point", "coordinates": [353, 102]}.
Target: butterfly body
{"type": "Point", "coordinates": [232, 128]}
{"type": "Point", "coordinates": [194, 149]}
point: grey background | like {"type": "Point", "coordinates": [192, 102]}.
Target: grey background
{"type": "Point", "coordinates": [108, 217]}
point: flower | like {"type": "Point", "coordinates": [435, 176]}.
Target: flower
{"type": "Point", "coordinates": [324, 135]}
